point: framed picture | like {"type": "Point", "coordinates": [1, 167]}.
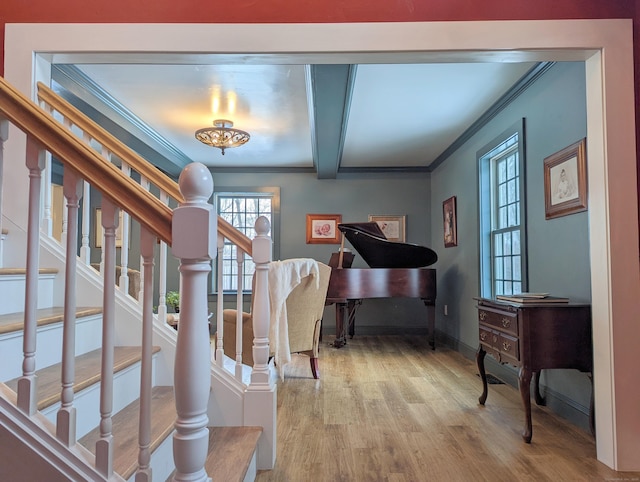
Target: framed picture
{"type": "Point", "coordinates": [323, 228]}
{"type": "Point", "coordinates": [393, 227]}
{"type": "Point", "coordinates": [565, 181]}
{"type": "Point", "coordinates": [98, 231]}
{"type": "Point", "coordinates": [449, 218]}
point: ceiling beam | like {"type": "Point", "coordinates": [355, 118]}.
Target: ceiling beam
{"type": "Point", "coordinates": [331, 89]}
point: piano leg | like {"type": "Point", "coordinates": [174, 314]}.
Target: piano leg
{"type": "Point", "coordinates": [342, 321]}
{"type": "Point", "coordinates": [431, 322]}
{"type": "Point", "coordinates": [352, 308]}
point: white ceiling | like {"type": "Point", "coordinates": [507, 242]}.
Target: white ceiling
{"type": "Point", "coordinates": [397, 115]}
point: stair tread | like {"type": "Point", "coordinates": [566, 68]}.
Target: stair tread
{"type": "Point", "coordinates": [230, 451]}
{"type": "Point", "coordinates": [125, 430]}
{"type": "Point", "coordinates": [11, 322]}
{"type": "Point", "coordinates": [23, 271]}
{"type": "Point", "coordinates": [87, 372]}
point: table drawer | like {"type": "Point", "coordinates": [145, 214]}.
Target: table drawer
{"type": "Point", "coordinates": [508, 346]}
{"type": "Point", "coordinates": [507, 322]}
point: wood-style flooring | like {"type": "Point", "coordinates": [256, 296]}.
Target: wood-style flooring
{"type": "Point", "coordinates": [387, 408]}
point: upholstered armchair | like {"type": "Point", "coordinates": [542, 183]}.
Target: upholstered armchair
{"type": "Point", "coordinates": [303, 310]}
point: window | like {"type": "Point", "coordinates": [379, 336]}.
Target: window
{"type": "Point", "coordinates": [502, 215]}
{"type": "Point", "coordinates": [242, 209]}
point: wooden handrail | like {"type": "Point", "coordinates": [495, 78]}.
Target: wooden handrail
{"type": "Point", "coordinates": [132, 159]}
{"type": "Point", "coordinates": [87, 163]}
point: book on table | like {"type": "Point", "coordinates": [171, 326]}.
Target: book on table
{"type": "Point", "coordinates": [532, 298]}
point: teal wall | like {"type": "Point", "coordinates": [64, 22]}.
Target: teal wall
{"type": "Point", "coordinates": [554, 109]}
{"type": "Point", "coordinates": [354, 197]}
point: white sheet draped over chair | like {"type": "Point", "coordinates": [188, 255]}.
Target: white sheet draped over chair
{"type": "Point", "coordinates": [297, 293]}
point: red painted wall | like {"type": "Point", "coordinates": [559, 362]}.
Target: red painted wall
{"type": "Point", "coordinates": [302, 11]}
{"type": "Point", "coordinates": [314, 11]}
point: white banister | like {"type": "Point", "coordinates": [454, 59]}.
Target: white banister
{"type": "Point", "coordinates": [260, 398]}
{"type": "Point", "coordinates": [66, 417]}
{"type": "Point", "coordinates": [104, 446]}
{"type": "Point", "coordinates": [27, 383]}
{"type": "Point", "coordinates": [147, 241]}
{"type": "Point", "coordinates": [194, 229]}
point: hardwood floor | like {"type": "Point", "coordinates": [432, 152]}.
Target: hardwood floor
{"type": "Point", "coordinates": [388, 408]}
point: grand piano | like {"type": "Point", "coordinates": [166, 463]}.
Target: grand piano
{"type": "Point", "coordinates": [396, 270]}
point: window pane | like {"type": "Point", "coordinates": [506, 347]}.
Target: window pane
{"type": "Point", "coordinates": [515, 242]}
{"type": "Point", "coordinates": [511, 168]}
{"type": "Point", "coordinates": [517, 271]}
{"type": "Point", "coordinates": [517, 287]}
{"type": "Point", "coordinates": [512, 215]}
{"type": "Point", "coordinates": [502, 194]}
{"type": "Point", "coordinates": [498, 244]}
{"type": "Point", "coordinates": [502, 218]}
{"type": "Point", "coordinates": [507, 269]}
{"type": "Point", "coordinates": [498, 269]}
{"type": "Point", "coordinates": [508, 288]}
{"type": "Point", "coordinates": [511, 191]}
{"type": "Point", "coordinates": [507, 243]}
{"type": "Point", "coordinates": [502, 172]}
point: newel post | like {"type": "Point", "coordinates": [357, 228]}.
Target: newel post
{"type": "Point", "coordinates": [194, 234]}
{"type": "Point", "coordinates": [261, 396]}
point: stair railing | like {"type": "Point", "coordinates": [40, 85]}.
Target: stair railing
{"type": "Point", "coordinates": [84, 165]}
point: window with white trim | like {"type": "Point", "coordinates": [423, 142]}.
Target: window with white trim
{"type": "Point", "coordinates": [503, 256]}
{"type": "Point", "coordinates": [241, 209]}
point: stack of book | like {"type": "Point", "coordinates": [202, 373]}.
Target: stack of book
{"type": "Point", "coordinates": [532, 298]}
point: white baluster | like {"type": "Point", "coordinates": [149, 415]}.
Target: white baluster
{"type": "Point", "coordinates": [27, 383]}
{"type": "Point", "coordinates": [147, 186]}
{"type": "Point", "coordinates": [220, 307]}
{"type": "Point", "coordinates": [104, 446]}
{"type": "Point", "coordinates": [162, 276]}
{"type": "Point", "coordinates": [85, 250]}
{"type": "Point", "coordinates": [194, 231]}
{"type": "Point", "coordinates": [260, 397]}
{"type": "Point", "coordinates": [66, 417]}
{"type": "Point", "coordinates": [4, 135]}
{"type": "Point", "coordinates": [47, 217]}
{"type": "Point", "coordinates": [147, 242]}
{"type": "Point", "coordinates": [239, 306]}
{"type": "Point", "coordinates": [124, 250]}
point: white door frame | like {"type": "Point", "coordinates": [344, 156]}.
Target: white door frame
{"type": "Point", "coordinates": [606, 46]}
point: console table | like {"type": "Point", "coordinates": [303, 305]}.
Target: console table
{"type": "Point", "coordinates": [534, 336]}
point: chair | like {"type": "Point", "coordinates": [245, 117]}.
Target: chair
{"type": "Point", "coordinates": [304, 309]}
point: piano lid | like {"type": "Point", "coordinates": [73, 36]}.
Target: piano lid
{"type": "Point", "coordinates": [378, 252]}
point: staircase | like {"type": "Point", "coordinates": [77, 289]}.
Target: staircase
{"type": "Point", "coordinates": [232, 449]}
{"type": "Point", "coordinates": [93, 384]}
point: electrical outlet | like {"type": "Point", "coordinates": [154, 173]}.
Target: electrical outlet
{"type": "Point", "coordinates": [446, 310]}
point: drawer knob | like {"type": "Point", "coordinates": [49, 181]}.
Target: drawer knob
{"type": "Point", "coordinates": [506, 322]}
{"type": "Point", "coordinates": [506, 346]}
{"type": "Point", "coordinates": [495, 338]}
{"type": "Point", "coordinates": [483, 336]}
{"type": "Point", "coordinates": [483, 315]}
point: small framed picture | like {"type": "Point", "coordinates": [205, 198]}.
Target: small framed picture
{"type": "Point", "coordinates": [323, 228]}
{"type": "Point", "coordinates": [393, 227]}
{"type": "Point", "coordinates": [565, 181]}
{"type": "Point", "coordinates": [449, 217]}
